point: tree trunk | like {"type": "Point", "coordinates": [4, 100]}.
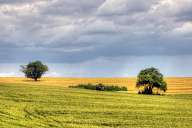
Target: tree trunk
{"type": "Point", "coordinates": [150, 90]}
{"type": "Point", "coordinates": [35, 79]}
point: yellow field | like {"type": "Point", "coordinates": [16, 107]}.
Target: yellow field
{"type": "Point", "coordinates": [175, 85]}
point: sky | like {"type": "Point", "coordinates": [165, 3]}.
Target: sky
{"type": "Point", "coordinates": [96, 38]}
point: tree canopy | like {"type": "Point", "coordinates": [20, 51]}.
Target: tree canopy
{"type": "Point", "coordinates": [150, 78]}
{"type": "Point", "coordinates": [34, 70]}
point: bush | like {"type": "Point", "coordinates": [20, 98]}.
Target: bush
{"type": "Point", "coordinates": [100, 87]}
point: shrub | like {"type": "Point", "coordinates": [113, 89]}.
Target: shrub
{"type": "Point", "coordinates": [100, 87]}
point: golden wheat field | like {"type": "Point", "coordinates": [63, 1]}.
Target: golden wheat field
{"type": "Point", "coordinates": [48, 103]}
{"type": "Point", "coordinates": [175, 84]}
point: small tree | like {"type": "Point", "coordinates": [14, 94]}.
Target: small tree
{"type": "Point", "coordinates": [34, 70]}
{"type": "Point", "coordinates": [150, 78]}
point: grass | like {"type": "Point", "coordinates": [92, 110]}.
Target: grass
{"type": "Point", "coordinates": [41, 106]}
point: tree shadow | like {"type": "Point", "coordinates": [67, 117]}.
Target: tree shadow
{"type": "Point", "coordinates": [28, 80]}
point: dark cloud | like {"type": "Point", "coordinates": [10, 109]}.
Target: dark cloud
{"type": "Point", "coordinates": [184, 15]}
{"type": "Point", "coordinates": [77, 31]}
{"type": "Point", "coordinates": [125, 7]}
{"type": "Point", "coordinates": [18, 1]}
{"type": "Point", "coordinates": [72, 7]}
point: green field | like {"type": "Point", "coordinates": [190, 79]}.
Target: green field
{"type": "Point", "coordinates": [38, 106]}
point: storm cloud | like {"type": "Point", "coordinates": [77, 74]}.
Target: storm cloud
{"type": "Point", "coordinates": [76, 32]}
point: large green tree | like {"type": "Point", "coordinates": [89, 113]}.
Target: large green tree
{"type": "Point", "coordinates": [150, 78]}
{"type": "Point", "coordinates": [34, 70]}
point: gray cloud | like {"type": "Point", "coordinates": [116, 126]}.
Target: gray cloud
{"type": "Point", "coordinates": [77, 31]}
{"type": "Point", "coordinates": [15, 1]}
{"type": "Point", "coordinates": [72, 8]}
{"type": "Point", "coordinates": [124, 7]}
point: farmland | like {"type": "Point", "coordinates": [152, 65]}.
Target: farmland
{"type": "Point", "coordinates": [50, 104]}
{"type": "Point", "coordinates": [175, 84]}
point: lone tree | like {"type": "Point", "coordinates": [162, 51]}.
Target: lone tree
{"type": "Point", "coordinates": [34, 70]}
{"type": "Point", "coordinates": [150, 78]}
